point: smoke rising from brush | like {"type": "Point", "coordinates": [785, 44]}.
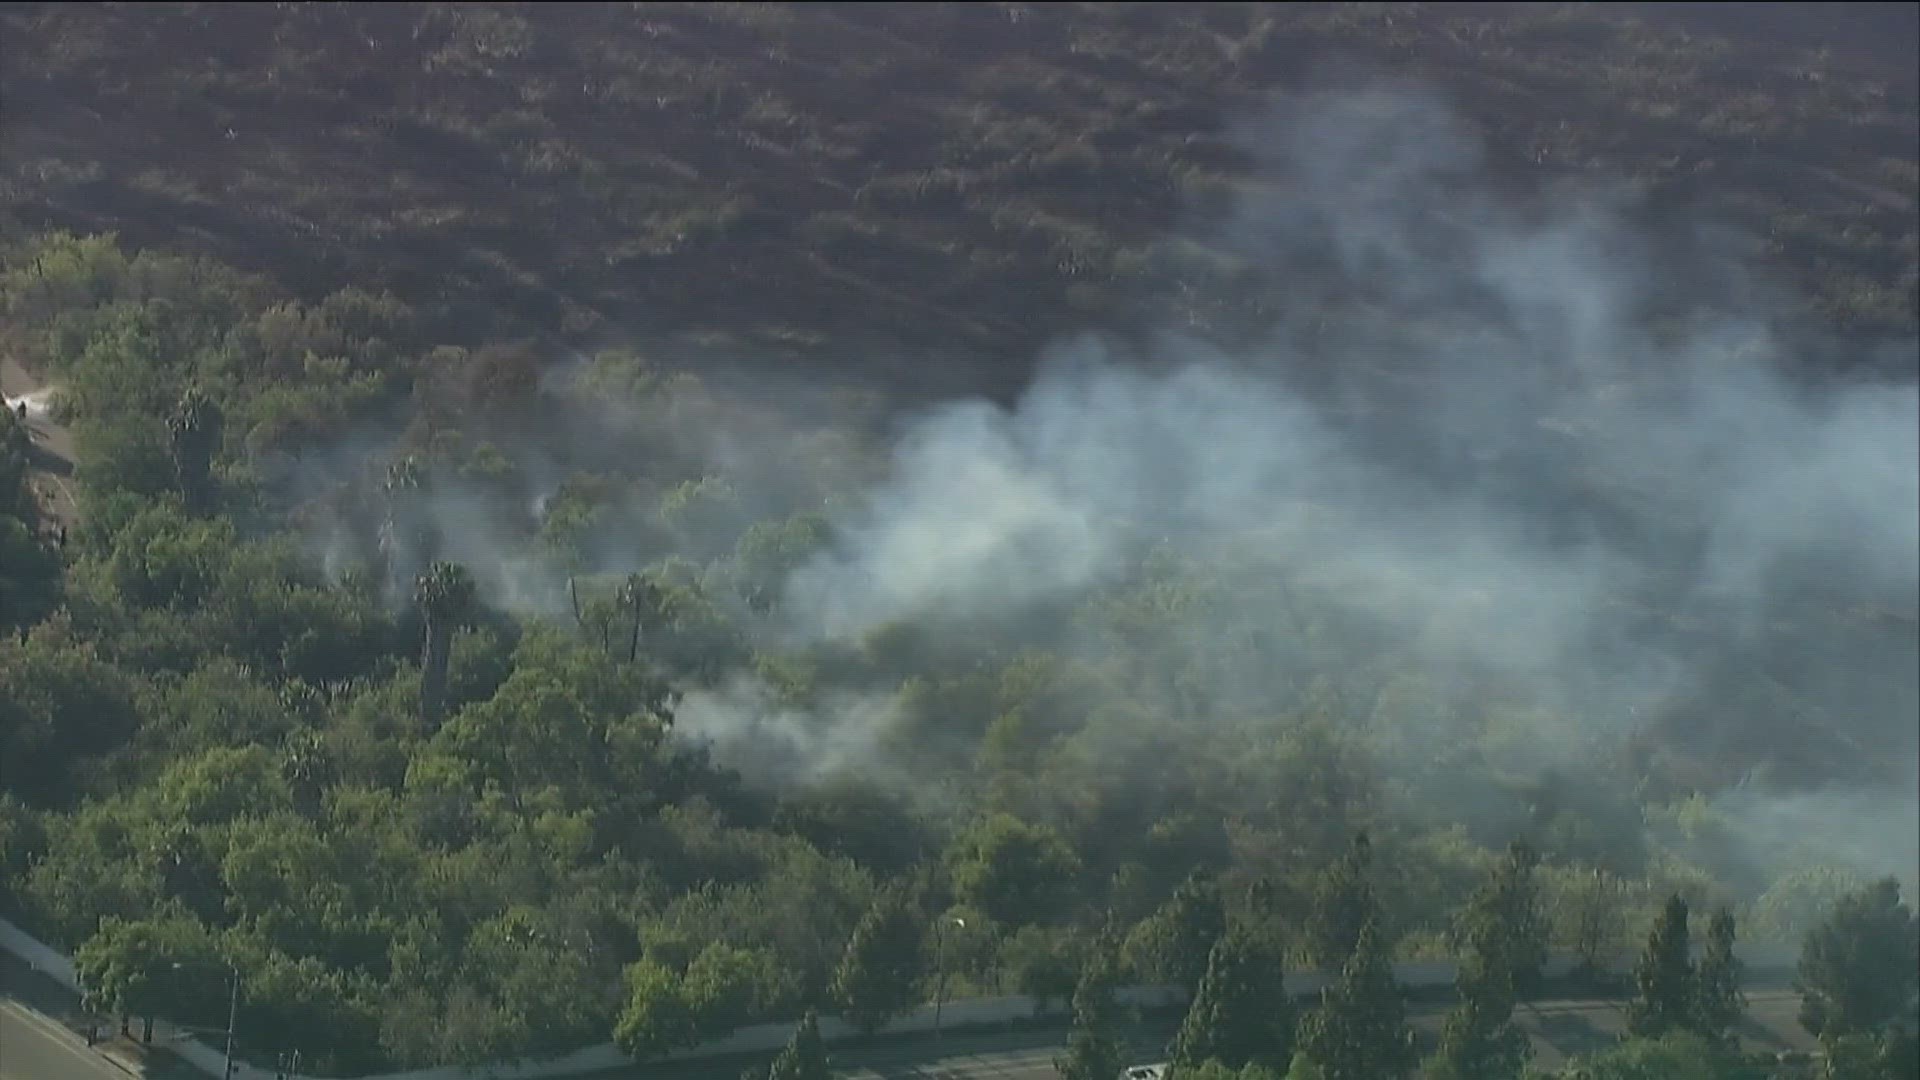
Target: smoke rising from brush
{"type": "Point", "coordinates": [776, 746]}
{"type": "Point", "coordinates": [1525, 434]}
{"type": "Point", "coordinates": [1533, 425]}
{"type": "Point", "coordinates": [1489, 423]}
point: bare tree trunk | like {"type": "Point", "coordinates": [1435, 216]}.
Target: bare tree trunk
{"type": "Point", "coordinates": [433, 675]}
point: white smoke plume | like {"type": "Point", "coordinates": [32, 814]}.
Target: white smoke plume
{"type": "Point", "coordinates": [771, 744]}
{"type": "Point", "coordinates": [1491, 420]}
{"type": "Point", "coordinates": [1526, 430]}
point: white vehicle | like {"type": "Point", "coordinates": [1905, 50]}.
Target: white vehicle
{"type": "Point", "coordinates": [1144, 1072]}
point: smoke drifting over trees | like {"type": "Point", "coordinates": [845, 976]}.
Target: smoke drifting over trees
{"type": "Point", "coordinates": [1521, 479]}
{"type": "Point", "coordinates": [1400, 502]}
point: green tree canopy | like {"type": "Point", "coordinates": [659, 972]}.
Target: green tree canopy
{"type": "Point", "coordinates": [1501, 936]}
{"type": "Point", "coordinates": [1501, 940]}
{"type": "Point", "coordinates": [805, 1057]}
{"type": "Point", "coordinates": [1019, 874]}
{"type": "Point", "coordinates": [1860, 969]}
{"type": "Point", "coordinates": [879, 977]}
{"type": "Point", "coordinates": [1890, 1055]}
{"type": "Point", "coordinates": [1358, 1031]}
{"type": "Point", "coordinates": [1171, 946]}
{"type": "Point", "coordinates": [1588, 906]}
{"type": "Point", "coordinates": [1240, 1015]}
{"type": "Point", "coordinates": [1344, 904]}
{"type": "Point", "coordinates": [1214, 1070]}
{"type": "Point", "coordinates": [196, 428]}
{"type": "Point", "coordinates": [1664, 979]}
{"type": "Point", "coordinates": [657, 1016]}
{"type": "Point", "coordinates": [1043, 963]}
{"type": "Point", "coordinates": [1720, 1004]}
{"type": "Point", "coordinates": [1677, 1055]}
{"type": "Point", "coordinates": [1479, 1040]}
{"type": "Point", "coordinates": [727, 985]}
{"type": "Point", "coordinates": [445, 595]}
{"type": "Point", "coordinates": [60, 703]}
{"type": "Point", "coordinates": [166, 965]}
{"type": "Point", "coordinates": [1094, 1047]}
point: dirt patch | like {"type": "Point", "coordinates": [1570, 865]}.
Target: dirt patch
{"type": "Point", "coordinates": [53, 460]}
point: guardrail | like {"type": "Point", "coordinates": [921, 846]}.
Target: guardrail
{"type": "Point", "coordinates": [760, 1038]}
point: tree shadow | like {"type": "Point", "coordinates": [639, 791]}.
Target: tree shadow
{"type": "Point", "coordinates": [1754, 1035]}
{"type": "Point", "coordinates": [1569, 1033]}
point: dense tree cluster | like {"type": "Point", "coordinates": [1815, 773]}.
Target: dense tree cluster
{"type": "Point", "coordinates": [1683, 1016]}
{"type": "Point", "coordinates": [1501, 939]}
{"type": "Point", "coordinates": [1239, 1016]}
{"type": "Point", "coordinates": [1686, 1011]}
{"type": "Point", "coordinates": [286, 713]}
{"type": "Point", "coordinates": [880, 975]}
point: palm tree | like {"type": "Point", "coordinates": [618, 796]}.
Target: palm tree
{"type": "Point", "coordinates": [195, 430]}
{"type": "Point", "coordinates": [445, 594]}
{"type": "Point", "coordinates": [308, 770]}
{"type": "Point", "coordinates": [407, 538]}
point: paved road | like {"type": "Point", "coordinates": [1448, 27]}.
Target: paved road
{"type": "Point", "coordinates": [39, 1025]}
{"type": "Point", "coordinates": [33, 1047]}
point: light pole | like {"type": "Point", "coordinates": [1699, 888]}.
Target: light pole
{"type": "Point", "coordinates": [233, 1014]}
{"type": "Point", "coordinates": [233, 1018]}
{"type": "Point", "coordinates": [940, 970]}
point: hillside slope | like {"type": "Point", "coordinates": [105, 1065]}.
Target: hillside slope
{"type": "Point", "coordinates": [978, 177]}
